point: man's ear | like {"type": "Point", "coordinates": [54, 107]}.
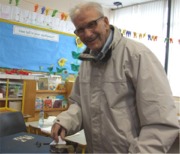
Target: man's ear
{"type": "Point", "coordinates": [106, 20]}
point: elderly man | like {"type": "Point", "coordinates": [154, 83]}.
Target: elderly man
{"type": "Point", "coordinates": [121, 97]}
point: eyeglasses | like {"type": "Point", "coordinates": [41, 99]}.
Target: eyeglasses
{"type": "Point", "coordinates": [91, 25]}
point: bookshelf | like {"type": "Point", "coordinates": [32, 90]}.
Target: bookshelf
{"type": "Point", "coordinates": [28, 95]}
{"type": "Point", "coordinates": [16, 93]}
{"type": "Point", "coordinates": [51, 94]}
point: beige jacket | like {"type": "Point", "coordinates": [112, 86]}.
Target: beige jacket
{"type": "Point", "coordinates": [125, 104]}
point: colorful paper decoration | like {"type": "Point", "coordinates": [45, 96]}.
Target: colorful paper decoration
{"type": "Point", "coordinates": [66, 16]}
{"type": "Point", "coordinates": [154, 38]}
{"type": "Point", "coordinates": [63, 16]}
{"type": "Point", "coordinates": [42, 10]}
{"type": "Point", "coordinates": [149, 37]}
{"type": "Point", "coordinates": [40, 68]}
{"type": "Point", "coordinates": [79, 43]}
{"type": "Point", "coordinates": [75, 55]}
{"type": "Point", "coordinates": [54, 13]}
{"type": "Point", "coordinates": [170, 40]}
{"type": "Point", "coordinates": [75, 67]}
{"type": "Point", "coordinates": [60, 70]}
{"type": "Point", "coordinates": [135, 34]}
{"type": "Point", "coordinates": [47, 11]}
{"type": "Point", "coordinates": [140, 36]}
{"type": "Point", "coordinates": [166, 39]}
{"type": "Point", "coordinates": [36, 7]}
{"type": "Point", "coordinates": [124, 32]}
{"type": "Point", "coordinates": [50, 69]}
{"type": "Point", "coordinates": [62, 61]}
{"type": "Point", "coordinates": [128, 33]}
{"type": "Point", "coordinates": [17, 2]}
{"type": "Point", "coordinates": [10, 1]}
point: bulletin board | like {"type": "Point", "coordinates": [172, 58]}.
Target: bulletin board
{"type": "Point", "coordinates": [50, 53]}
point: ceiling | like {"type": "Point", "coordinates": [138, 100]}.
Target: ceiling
{"type": "Point", "coordinates": [109, 3]}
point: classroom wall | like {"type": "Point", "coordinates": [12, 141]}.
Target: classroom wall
{"type": "Point", "coordinates": [26, 62]}
{"type": "Point", "coordinates": [60, 5]}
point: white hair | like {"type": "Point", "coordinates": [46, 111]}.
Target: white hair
{"type": "Point", "coordinates": [86, 5]}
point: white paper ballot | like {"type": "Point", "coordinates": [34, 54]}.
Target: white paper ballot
{"type": "Point", "coordinates": [60, 142]}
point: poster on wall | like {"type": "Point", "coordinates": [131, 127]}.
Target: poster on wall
{"type": "Point", "coordinates": [36, 50]}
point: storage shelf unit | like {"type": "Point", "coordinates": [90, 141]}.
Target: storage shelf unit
{"type": "Point", "coordinates": [45, 94]}
{"type": "Point", "coordinates": [16, 92]}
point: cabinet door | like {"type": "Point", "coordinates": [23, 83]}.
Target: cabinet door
{"type": "Point", "coordinates": [29, 97]}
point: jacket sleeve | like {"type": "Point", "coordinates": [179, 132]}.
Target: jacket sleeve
{"type": "Point", "coordinates": [71, 119]}
{"type": "Point", "coordinates": [155, 105]}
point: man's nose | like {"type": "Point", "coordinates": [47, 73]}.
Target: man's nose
{"type": "Point", "coordinates": [87, 32]}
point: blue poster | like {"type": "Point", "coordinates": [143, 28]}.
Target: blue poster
{"type": "Point", "coordinates": [38, 54]}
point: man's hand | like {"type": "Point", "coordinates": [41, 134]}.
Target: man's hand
{"type": "Point", "coordinates": [57, 130]}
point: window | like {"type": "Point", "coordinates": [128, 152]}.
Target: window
{"type": "Point", "coordinates": [150, 21]}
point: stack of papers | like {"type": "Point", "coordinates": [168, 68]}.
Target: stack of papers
{"type": "Point", "coordinates": [49, 121]}
{"type": "Point", "coordinates": [60, 142]}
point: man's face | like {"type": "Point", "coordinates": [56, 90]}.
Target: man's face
{"type": "Point", "coordinates": [92, 28]}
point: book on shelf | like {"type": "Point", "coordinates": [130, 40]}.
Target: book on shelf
{"type": "Point", "coordinates": [64, 103]}
{"type": "Point", "coordinates": [42, 83]}
{"type": "Point", "coordinates": [49, 83]}
{"type": "Point", "coordinates": [48, 103]}
{"type": "Point", "coordinates": [57, 103]}
{"type": "Point", "coordinates": [39, 103]}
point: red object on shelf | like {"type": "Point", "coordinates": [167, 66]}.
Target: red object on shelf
{"type": "Point", "coordinates": [16, 71]}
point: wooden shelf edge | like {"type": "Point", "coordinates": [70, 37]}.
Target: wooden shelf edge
{"type": "Point", "coordinates": [2, 99]}
{"type": "Point", "coordinates": [51, 91]}
{"type": "Point", "coordinates": [53, 109]}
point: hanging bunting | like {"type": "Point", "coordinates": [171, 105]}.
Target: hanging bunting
{"type": "Point", "coordinates": [154, 38]}
{"type": "Point", "coordinates": [10, 1]}
{"type": "Point", "coordinates": [66, 16]}
{"type": "Point", "coordinates": [42, 10]}
{"type": "Point", "coordinates": [149, 37]}
{"type": "Point", "coordinates": [179, 41]}
{"type": "Point", "coordinates": [128, 33]}
{"type": "Point", "coordinates": [62, 16]}
{"type": "Point", "coordinates": [171, 40]}
{"type": "Point", "coordinates": [47, 11]}
{"type": "Point", "coordinates": [140, 36]}
{"type": "Point", "coordinates": [36, 7]}
{"type": "Point", "coordinates": [135, 34]}
{"type": "Point", "coordinates": [144, 35]}
{"type": "Point", "coordinates": [123, 32]}
{"type": "Point", "coordinates": [165, 40]}
{"type": "Point", "coordinates": [54, 13]}
{"type": "Point", "coordinates": [17, 2]}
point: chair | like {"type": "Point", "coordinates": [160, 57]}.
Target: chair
{"type": "Point", "coordinates": [11, 123]}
